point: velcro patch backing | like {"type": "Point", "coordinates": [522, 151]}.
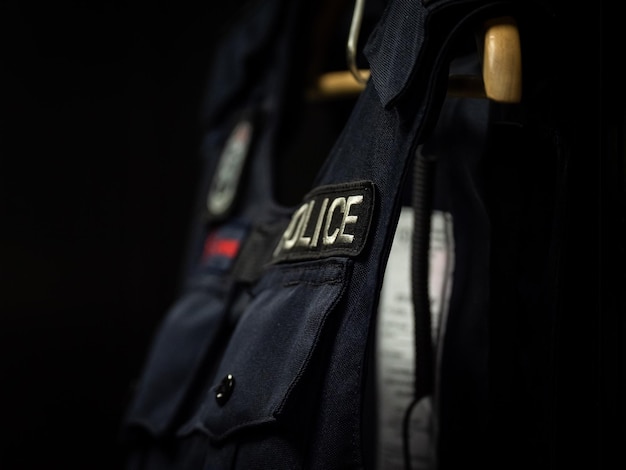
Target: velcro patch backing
{"type": "Point", "coordinates": [334, 220]}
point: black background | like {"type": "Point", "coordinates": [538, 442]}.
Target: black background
{"type": "Point", "coordinates": [98, 164]}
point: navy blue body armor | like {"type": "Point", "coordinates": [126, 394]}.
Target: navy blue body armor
{"type": "Point", "coordinates": [266, 359]}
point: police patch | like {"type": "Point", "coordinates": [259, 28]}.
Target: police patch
{"type": "Point", "coordinates": [334, 220]}
{"type": "Point", "coordinates": [227, 178]}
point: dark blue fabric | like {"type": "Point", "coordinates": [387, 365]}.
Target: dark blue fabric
{"type": "Point", "coordinates": [296, 340]}
{"type": "Point", "coordinates": [463, 354]}
{"type": "Point", "coordinates": [189, 329]}
{"type": "Point", "coordinates": [272, 345]}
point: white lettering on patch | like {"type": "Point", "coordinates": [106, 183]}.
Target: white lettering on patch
{"type": "Point", "coordinates": [333, 220]}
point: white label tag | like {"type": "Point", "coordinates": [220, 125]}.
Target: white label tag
{"type": "Point", "coordinates": [441, 268]}
{"type": "Point", "coordinates": [395, 355]}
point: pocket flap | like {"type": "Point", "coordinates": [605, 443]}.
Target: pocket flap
{"type": "Point", "coordinates": [271, 348]}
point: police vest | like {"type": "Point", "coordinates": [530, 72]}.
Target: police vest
{"type": "Point", "coordinates": [268, 360]}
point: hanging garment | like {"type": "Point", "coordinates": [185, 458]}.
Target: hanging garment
{"type": "Point", "coordinates": [268, 358]}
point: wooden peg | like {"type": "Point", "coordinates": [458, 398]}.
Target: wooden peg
{"type": "Point", "coordinates": [340, 84]}
{"type": "Point", "coordinates": [502, 61]}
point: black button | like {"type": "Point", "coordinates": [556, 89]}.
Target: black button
{"type": "Point", "coordinates": [224, 389]}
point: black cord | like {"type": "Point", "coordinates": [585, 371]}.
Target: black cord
{"type": "Point", "coordinates": [423, 179]}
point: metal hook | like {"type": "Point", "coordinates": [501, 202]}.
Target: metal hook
{"type": "Point", "coordinates": [353, 38]}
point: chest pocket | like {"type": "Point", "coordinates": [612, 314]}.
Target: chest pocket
{"type": "Point", "coordinates": [274, 347]}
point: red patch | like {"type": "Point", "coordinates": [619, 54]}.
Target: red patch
{"type": "Point", "coordinates": [216, 246]}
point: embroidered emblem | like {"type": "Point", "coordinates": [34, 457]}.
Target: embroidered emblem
{"type": "Point", "coordinates": [228, 174]}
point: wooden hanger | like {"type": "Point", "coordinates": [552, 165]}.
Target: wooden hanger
{"type": "Point", "coordinates": [501, 79]}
